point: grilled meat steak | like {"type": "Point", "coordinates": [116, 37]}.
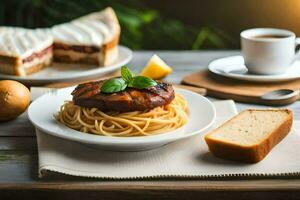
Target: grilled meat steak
{"type": "Point", "coordinates": [89, 95]}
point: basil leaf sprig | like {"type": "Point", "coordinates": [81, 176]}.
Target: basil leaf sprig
{"type": "Point", "coordinates": [127, 80]}
{"type": "Point", "coordinates": [126, 74]}
{"type": "Point", "coordinates": [113, 85]}
{"type": "Point", "coordinates": [141, 82]}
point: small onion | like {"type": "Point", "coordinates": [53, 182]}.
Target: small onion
{"type": "Point", "coordinates": [14, 99]}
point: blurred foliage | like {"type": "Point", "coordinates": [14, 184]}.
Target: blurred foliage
{"type": "Point", "coordinates": [142, 28]}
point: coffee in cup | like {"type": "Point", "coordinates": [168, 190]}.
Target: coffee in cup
{"type": "Point", "coordinates": [267, 50]}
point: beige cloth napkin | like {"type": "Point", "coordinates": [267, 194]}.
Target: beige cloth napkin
{"type": "Point", "coordinates": [186, 158]}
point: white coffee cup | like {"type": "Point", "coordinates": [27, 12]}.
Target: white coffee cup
{"type": "Point", "coordinates": [268, 50]}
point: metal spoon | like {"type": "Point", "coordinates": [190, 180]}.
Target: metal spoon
{"type": "Point", "coordinates": [280, 97]}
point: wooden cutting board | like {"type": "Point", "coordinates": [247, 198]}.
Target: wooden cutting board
{"type": "Point", "coordinates": [242, 91]}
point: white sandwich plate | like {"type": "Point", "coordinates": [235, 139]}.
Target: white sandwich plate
{"type": "Point", "coordinates": [202, 115]}
{"type": "Point", "coordinates": [234, 67]}
{"type": "Point", "coordinates": [62, 72]}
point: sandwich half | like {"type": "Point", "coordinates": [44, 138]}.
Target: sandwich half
{"type": "Point", "coordinates": [24, 51]}
{"type": "Point", "coordinates": [91, 39]}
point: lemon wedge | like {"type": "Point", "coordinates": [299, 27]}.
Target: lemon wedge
{"type": "Point", "coordinates": [156, 68]}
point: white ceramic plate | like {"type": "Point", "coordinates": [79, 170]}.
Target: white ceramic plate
{"type": "Point", "coordinates": [201, 118]}
{"type": "Point", "coordinates": [234, 67]}
{"type": "Point", "coordinates": [62, 72]}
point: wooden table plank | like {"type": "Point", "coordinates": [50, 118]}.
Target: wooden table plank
{"type": "Point", "coordinates": [17, 127]}
{"type": "Point", "coordinates": [18, 143]}
{"type": "Point", "coordinates": [18, 157]}
{"type": "Point", "coordinates": [160, 184]}
{"type": "Point", "coordinates": [149, 195]}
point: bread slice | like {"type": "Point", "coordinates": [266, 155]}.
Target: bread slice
{"type": "Point", "coordinates": [250, 136]}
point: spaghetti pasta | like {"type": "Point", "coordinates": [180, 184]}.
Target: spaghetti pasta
{"type": "Point", "coordinates": [137, 123]}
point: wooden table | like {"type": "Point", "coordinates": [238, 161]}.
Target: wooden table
{"type": "Point", "coordinates": [18, 159]}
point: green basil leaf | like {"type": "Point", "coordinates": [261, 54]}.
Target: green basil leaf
{"type": "Point", "coordinates": [113, 85]}
{"type": "Point", "coordinates": [126, 74]}
{"type": "Point", "coordinates": [142, 82]}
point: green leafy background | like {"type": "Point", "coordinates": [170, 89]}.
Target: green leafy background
{"type": "Point", "coordinates": [142, 27]}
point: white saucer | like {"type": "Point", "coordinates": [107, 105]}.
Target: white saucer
{"type": "Point", "coordinates": [234, 67]}
{"type": "Point", "coordinates": [62, 72]}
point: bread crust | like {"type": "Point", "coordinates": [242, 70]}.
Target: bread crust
{"type": "Point", "coordinates": [253, 153]}
{"type": "Point", "coordinates": [10, 64]}
{"type": "Point", "coordinates": [109, 55]}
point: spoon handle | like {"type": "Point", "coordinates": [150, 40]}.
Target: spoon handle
{"type": "Point", "coordinates": [281, 99]}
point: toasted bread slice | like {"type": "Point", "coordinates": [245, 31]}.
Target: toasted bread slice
{"type": "Point", "coordinates": [250, 136]}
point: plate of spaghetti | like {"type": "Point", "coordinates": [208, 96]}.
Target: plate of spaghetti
{"type": "Point", "coordinates": [127, 113]}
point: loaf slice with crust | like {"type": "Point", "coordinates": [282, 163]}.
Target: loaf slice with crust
{"type": "Point", "coordinates": [250, 135]}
